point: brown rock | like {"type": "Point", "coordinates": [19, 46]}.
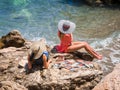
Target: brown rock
{"type": "Point", "coordinates": [111, 81]}
{"type": "Point", "coordinates": [13, 39]}
{"type": "Point", "coordinates": [1, 44]}
{"type": "Point", "coordinates": [64, 78]}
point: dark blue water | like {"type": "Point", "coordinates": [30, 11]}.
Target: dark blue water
{"type": "Point", "coordinates": [37, 19]}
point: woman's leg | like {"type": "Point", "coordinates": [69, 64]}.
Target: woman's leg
{"type": "Point", "coordinates": [78, 45]}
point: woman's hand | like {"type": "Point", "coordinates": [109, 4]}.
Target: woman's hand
{"type": "Point", "coordinates": [49, 61]}
{"type": "Point", "coordinates": [45, 63]}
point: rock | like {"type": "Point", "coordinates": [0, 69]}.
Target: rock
{"type": "Point", "coordinates": [111, 81]}
{"type": "Point", "coordinates": [22, 63]}
{"type": "Point", "coordinates": [108, 2]}
{"type": "Point", "coordinates": [102, 2]}
{"type": "Point", "coordinates": [3, 66]}
{"type": "Point", "coordinates": [1, 44]}
{"type": "Point", "coordinates": [68, 71]}
{"type": "Point", "coordinates": [13, 39]}
{"type": "Point", "coordinates": [10, 85]}
{"type": "Point", "coordinates": [90, 2]}
{"type": "Point", "coordinates": [72, 75]}
{"type": "Point", "coordinates": [98, 3]}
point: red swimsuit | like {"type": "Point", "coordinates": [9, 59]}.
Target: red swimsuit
{"type": "Point", "coordinates": [65, 42]}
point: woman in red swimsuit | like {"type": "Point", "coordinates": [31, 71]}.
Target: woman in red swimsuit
{"type": "Point", "coordinates": [65, 29]}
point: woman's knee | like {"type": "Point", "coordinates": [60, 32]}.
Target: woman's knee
{"type": "Point", "coordinates": [85, 43]}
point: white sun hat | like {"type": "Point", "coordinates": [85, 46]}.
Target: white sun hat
{"type": "Point", "coordinates": [68, 23]}
{"type": "Point", "coordinates": [37, 48]}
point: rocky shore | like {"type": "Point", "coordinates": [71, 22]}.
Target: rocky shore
{"type": "Point", "coordinates": [69, 73]}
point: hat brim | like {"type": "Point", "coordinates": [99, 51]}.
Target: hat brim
{"type": "Point", "coordinates": [70, 30]}
{"type": "Point", "coordinates": [40, 45]}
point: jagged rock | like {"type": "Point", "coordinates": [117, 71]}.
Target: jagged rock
{"type": "Point", "coordinates": [71, 73]}
{"type": "Point", "coordinates": [111, 81]}
{"type": "Point", "coordinates": [13, 38]}
{"type": "Point", "coordinates": [4, 64]}
{"type": "Point", "coordinates": [22, 63]}
{"type": "Point", "coordinates": [1, 44]}
{"type": "Point", "coordinates": [66, 72]}
{"type": "Point", "coordinates": [102, 2]}
{"type": "Point", "coordinates": [90, 2]}
{"type": "Point", "coordinates": [10, 85]}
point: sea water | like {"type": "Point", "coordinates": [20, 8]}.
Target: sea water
{"type": "Point", "coordinates": [36, 19]}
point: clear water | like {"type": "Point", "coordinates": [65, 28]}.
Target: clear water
{"type": "Point", "coordinates": [37, 19]}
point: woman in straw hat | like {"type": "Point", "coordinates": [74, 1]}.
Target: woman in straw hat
{"type": "Point", "coordinates": [38, 54]}
{"type": "Point", "coordinates": [65, 29]}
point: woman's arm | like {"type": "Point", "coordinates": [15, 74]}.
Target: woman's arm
{"type": "Point", "coordinates": [45, 63]}
{"type": "Point", "coordinates": [29, 63]}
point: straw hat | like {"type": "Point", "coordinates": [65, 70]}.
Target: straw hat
{"type": "Point", "coordinates": [67, 23]}
{"type": "Point", "coordinates": [38, 47]}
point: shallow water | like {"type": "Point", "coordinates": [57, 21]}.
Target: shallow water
{"type": "Point", "coordinates": [39, 18]}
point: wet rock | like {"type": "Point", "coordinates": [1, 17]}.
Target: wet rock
{"type": "Point", "coordinates": [90, 2]}
{"type": "Point", "coordinates": [102, 2]}
{"type": "Point", "coordinates": [13, 39]}
{"type": "Point", "coordinates": [111, 81]}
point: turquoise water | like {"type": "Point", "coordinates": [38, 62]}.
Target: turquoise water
{"type": "Point", "coordinates": [37, 19]}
